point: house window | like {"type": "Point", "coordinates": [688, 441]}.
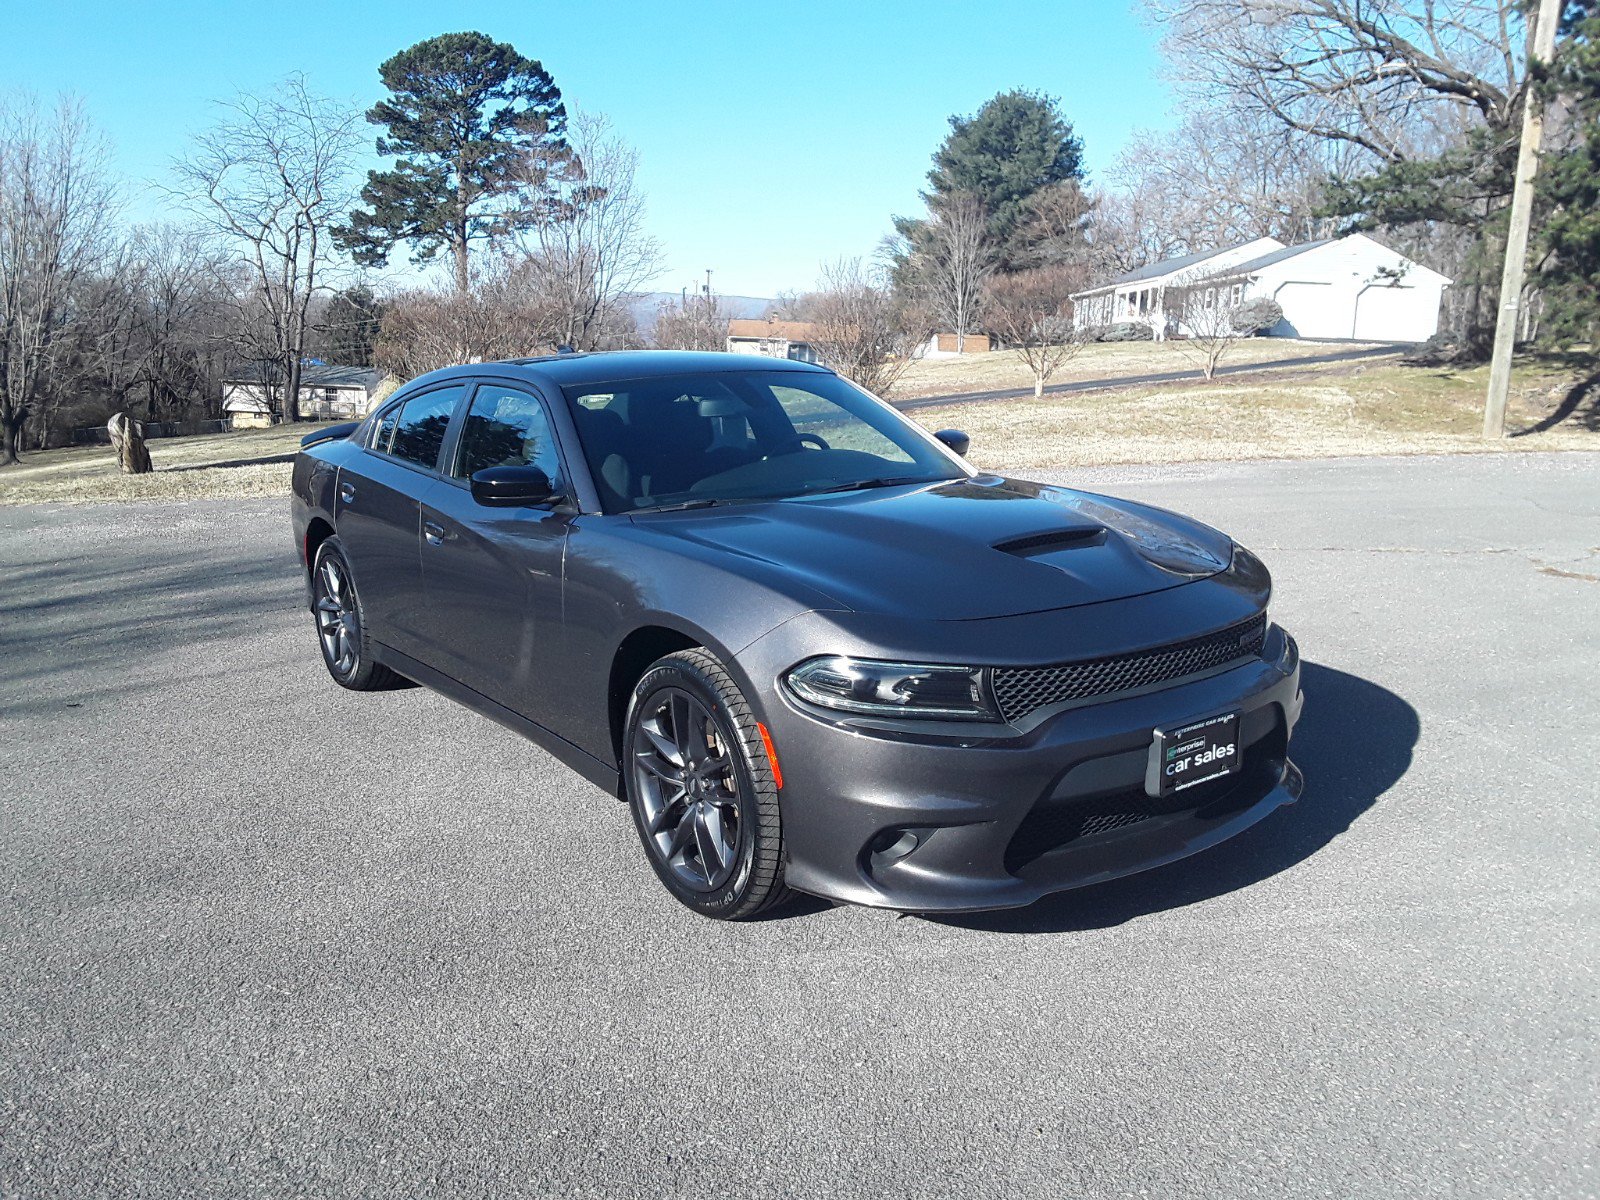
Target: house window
{"type": "Point", "coordinates": [1210, 299]}
{"type": "Point", "coordinates": [1238, 292]}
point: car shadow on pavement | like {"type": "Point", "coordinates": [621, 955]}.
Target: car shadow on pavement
{"type": "Point", "coordinates": [1353, 743]}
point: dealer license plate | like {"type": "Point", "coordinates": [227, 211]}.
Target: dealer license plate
{"type": "Point", "coordinates": [1187, 755]}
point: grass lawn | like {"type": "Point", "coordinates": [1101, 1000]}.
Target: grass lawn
{"type": "Point", "coordinates": [1377, 406]}
{"type": "Point", "coordinates": [1002, 369]}
{"type": "Point", "coordinates": [217, 464]}
{"type": "Point", "coordinates": [1382, 407]}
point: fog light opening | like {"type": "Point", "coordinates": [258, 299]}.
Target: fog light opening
{"type": "Point", "coordinates": [891, 845]}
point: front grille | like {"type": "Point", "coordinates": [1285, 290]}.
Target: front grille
{"type": "Point", "coordinates": [1020, 691]}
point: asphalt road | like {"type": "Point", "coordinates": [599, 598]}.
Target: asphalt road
{"type": "Point", "coordinates": [261, 936]}
{"type": "Point", "coordinates": [1145, 380]}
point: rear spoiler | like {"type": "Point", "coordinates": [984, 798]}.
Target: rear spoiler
{"type": "Point", "coordinates": [330, 433]}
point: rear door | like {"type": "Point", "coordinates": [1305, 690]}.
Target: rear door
{"type": "Point", "coordinates": [377, 511]}
{"type": "Point", "coordinates": [492, 576]}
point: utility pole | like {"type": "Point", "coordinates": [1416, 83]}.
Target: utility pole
{"type": "Point", "coordinates": [1541, 48]}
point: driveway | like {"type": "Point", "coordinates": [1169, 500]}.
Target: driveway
{"type": "Point", "coordinates": [1154, 377]}
{"type": "Point", "coordinates": [262, 936]}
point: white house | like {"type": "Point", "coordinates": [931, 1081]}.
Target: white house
{"type": "Point", "coordinates": [326, 392]}
{"type": "Point", "coordinates": [1350, 288]}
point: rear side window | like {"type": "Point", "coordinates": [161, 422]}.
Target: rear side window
{"type": "Point", "coordinates": [419, 432]}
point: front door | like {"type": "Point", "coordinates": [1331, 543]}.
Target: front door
{"type": "Point", "coordinates": [492, 576]}
{"type": "Point", "coordinates": [378, 517]}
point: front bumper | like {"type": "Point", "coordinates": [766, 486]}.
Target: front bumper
{"type": "Point", "coordinates": [948, 824]}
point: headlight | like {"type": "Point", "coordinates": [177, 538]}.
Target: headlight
{"type": "Point", "coordinates": [892, 689]}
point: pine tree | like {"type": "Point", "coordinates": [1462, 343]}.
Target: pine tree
{"type": "Point", "coordinates": [475, 129]}
{"type": "Point", "coordinates": [1569, 185]}
{"type": "Point", "coordinates": [1015, 146]}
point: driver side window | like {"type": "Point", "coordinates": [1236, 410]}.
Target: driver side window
{"type": "Point", "coordinates": [506, 427]}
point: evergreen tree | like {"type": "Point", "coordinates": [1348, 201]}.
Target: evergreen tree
{"type": "Point", "coordinates": [1013, 147]}
{"type": "Point", "coordinates": [474, 128]}
{"type": "Point", "coordinates": [1569, 185]}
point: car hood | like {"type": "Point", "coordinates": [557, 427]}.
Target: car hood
{"type": "Point", "coordinates": [959, 550]}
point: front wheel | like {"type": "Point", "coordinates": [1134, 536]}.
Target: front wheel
{"type": "Point", "coordinates": [701, 789]}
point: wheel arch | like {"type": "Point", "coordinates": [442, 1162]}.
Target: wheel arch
{"type": "Point", "coordinates": [632, 659]}
{"type": "Point", "coordinates": [318, 530]}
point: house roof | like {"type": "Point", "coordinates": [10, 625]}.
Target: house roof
{"type": "Point", "coordinates": [1273, 256]}
{"type": "Point", "coordinates": [1166, 267]}
{"type": "Point", "coordinates": [791, 331]}
{"type": "Point", "coordinates": [311, 375]}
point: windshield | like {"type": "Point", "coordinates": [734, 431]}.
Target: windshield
{"type": "Point", "coordinates": [745, 436]}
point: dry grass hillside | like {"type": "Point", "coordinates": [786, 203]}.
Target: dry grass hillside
{"type": "Point", "coordinates": [1378, 406]}
{"type": "Point", "coordinates": [1353, 409]}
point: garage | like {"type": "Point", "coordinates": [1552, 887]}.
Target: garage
{"type": "Point", "coordinates": [1393, 314]}
{"type": "Point", "coordinates": [1310, 310]}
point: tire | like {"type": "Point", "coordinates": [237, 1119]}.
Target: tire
{"type": "Point", "coordinates": [723, 854]}
{"type": "Point", "coordinates": [341, 624]}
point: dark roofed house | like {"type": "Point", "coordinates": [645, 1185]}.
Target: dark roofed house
{"type": "Point", "coordinates": [252, 395]}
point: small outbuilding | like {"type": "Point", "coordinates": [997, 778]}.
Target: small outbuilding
{"type": "Point", "coordinates": [1351, 288]}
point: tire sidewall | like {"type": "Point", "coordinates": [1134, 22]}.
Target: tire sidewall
{"type": "Point", "coordinates": [330, 548]}
{"type": "Point", "coordinates": [727, 900]}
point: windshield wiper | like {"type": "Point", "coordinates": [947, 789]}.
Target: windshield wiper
{"type": "Point", "coordinates": [853, 485]}
{"type": "Point", "coordinates": [700, 502]}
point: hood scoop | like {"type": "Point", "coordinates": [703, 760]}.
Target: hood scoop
{"type": "Point", "coordinates": [1036, 545]}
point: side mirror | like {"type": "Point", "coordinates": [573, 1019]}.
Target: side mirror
{"type": "Point", "coordinates": [513, 487]}
{"type": "Point", "coordinates": [957, 441]}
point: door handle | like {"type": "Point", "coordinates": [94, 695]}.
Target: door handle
{"type": "Point", "coordinates": [347, 492]}
{"type": "Point", "coordinates": [433, 532]}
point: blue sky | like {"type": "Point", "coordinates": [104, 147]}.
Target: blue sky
{"type": "Point", "coordinates": [772, 137]}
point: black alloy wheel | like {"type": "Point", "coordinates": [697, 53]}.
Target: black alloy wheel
{"type": "Point", "coordinates": [702, 791]}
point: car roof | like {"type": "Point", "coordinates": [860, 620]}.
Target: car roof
{"type": "Point", "coordinates": [567, 370]}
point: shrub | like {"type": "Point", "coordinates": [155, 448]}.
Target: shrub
{"type": "Point", "coordinates": [1258, 314]}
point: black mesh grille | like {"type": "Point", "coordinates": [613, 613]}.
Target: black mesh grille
{"type": "Point", "coordinates": [1022, 690]}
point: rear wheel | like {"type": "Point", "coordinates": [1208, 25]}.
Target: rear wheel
{"type": "Point", "coordinates": [701, 789]}
{"type": "Point", "coordinates": [341, 627]}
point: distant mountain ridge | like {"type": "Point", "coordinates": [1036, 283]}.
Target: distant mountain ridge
{"type": "Point", "coordinates": [645, 305]}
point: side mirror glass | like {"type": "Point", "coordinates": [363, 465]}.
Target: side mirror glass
{"type": "Point", "coordinates": [955, 440]}
{"type": "Point", "coordinates": [513, 487]}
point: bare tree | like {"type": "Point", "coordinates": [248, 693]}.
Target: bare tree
{"type": "Point", "coordinates": [957, 259]}
{"type": "Point", "coordinates": [1209, 316]}
{"type": "Point", "coordinates": [1057, 223]}
{"type": "Point", "coordinates": [56, 213]}
{"type": "Point", "coordinates": [271, 179]}
{"type": "Point", "coordinates": [696, 322]}
{"type": "Point", "coordinates": [1227, 176]}
{"type": "Point", "coordinates": [1032, 313]}
{"type": "Point", "coordinates": [590, 253]}
{"type": "Point", "coordinates": [862, 329]}
{"type": "Point", "coordinates": [1380, 75]}
{"type": "Point", "coordinates": [178, 299]}
{"type": "Point", "coordinates": [438, 327]}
